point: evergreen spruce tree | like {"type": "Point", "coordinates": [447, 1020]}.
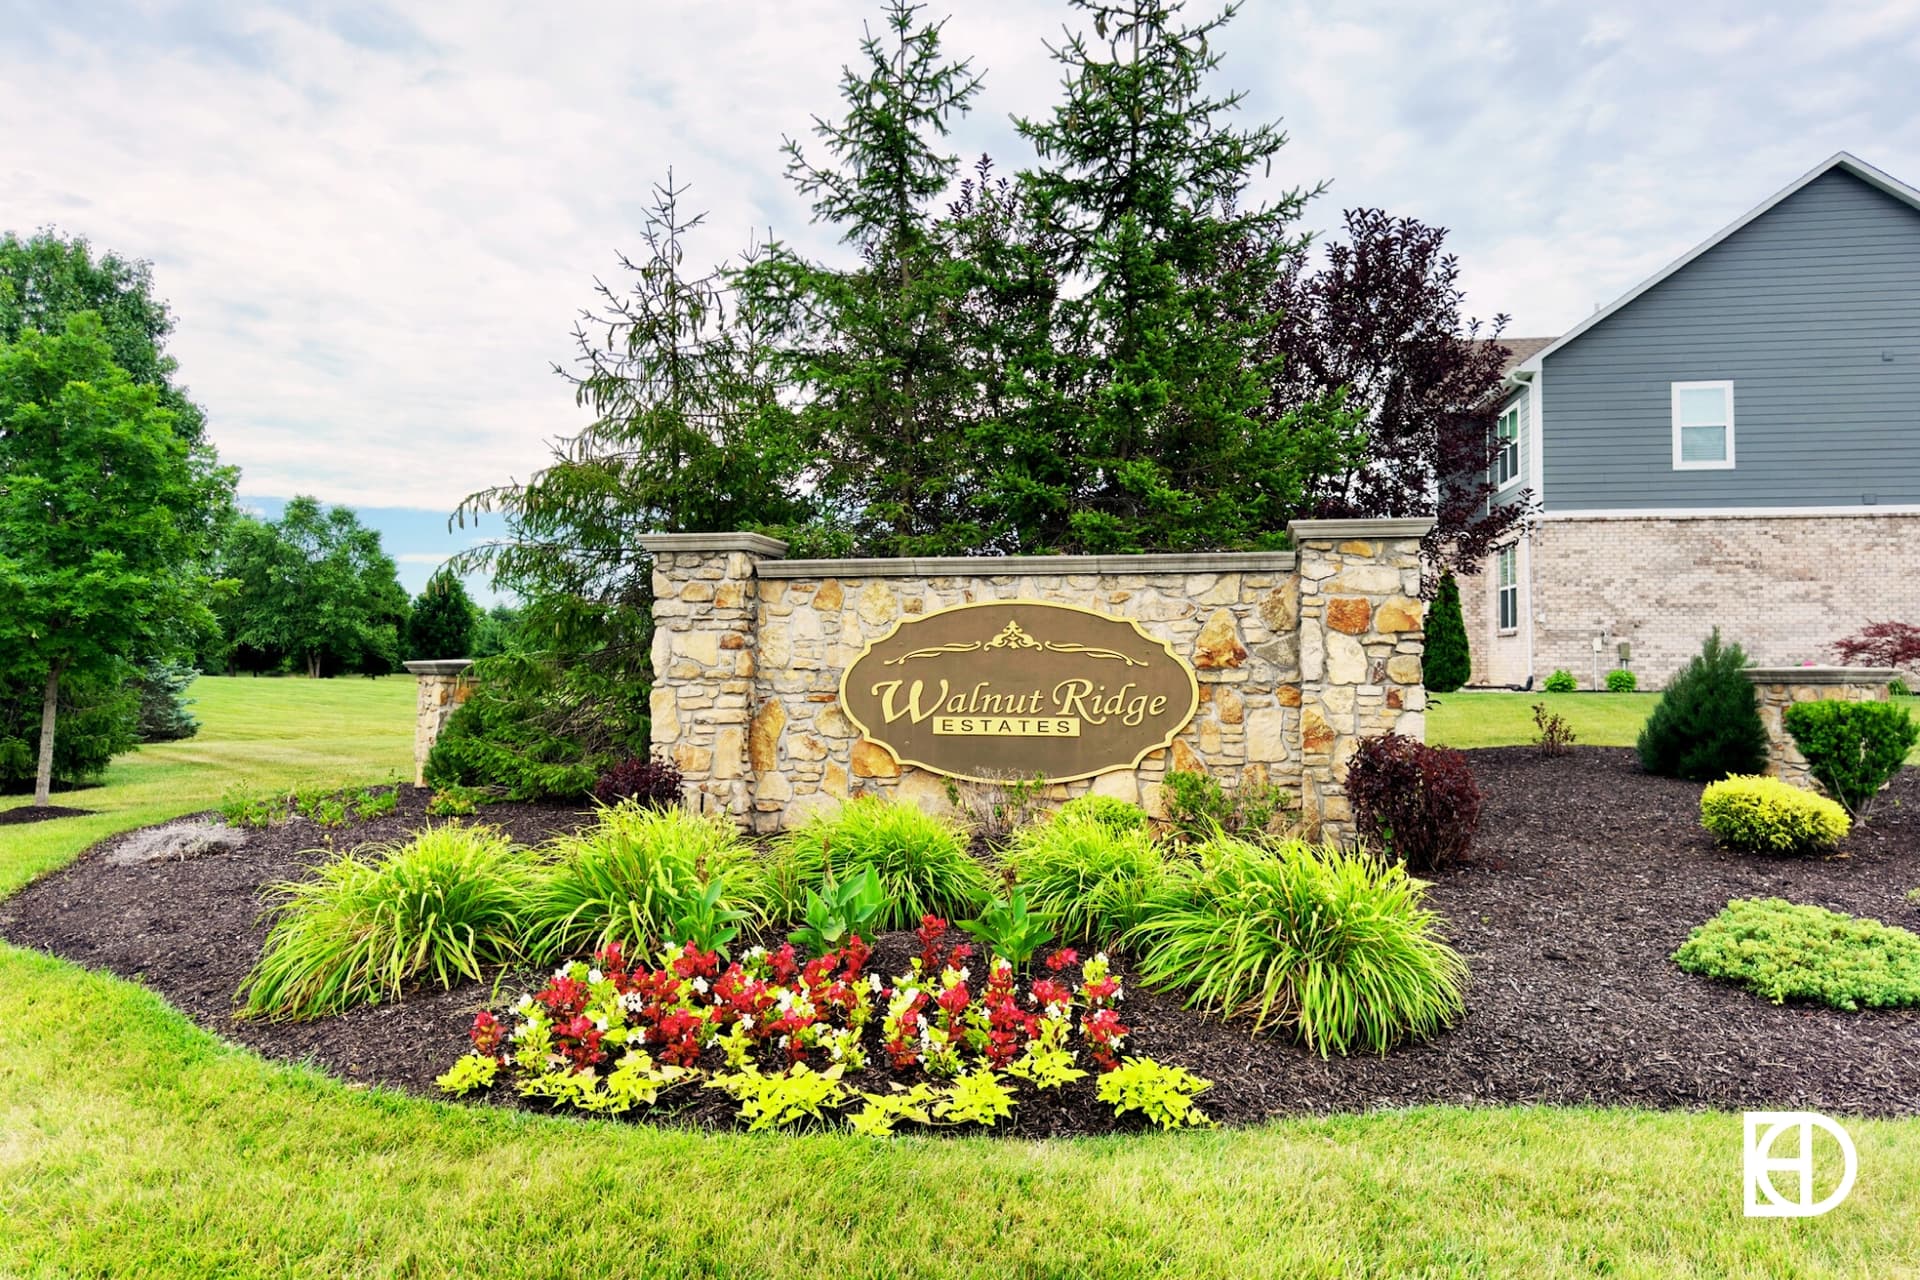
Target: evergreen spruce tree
{"type": "Point", "coordinates": [1707, 723]}
{"type": "Point", "coordinates": [442, 622]}
{"type": "Point", "coordinates": [1448, 661]}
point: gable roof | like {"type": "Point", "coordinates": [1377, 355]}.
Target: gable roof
{"type": "Point", "coordinates": [1844, 161]}
{"type": "Point", "coordinates": [1520, 350]}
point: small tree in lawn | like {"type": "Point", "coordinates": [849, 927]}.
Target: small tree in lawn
{"type": "Point", "coordinates": [1882, 644]}
{"type": "Point", "coordinates": [442, 622]}
{"type": "Point", "coordinates": [1448, 662]}
{"type": "Point", "coordinates": [93, 478]}
{"type": "Point", "coordinates": [1707, 724]}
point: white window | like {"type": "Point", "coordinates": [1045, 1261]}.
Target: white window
{"type": "Point", "coordinates": [1702, 426]}
{"type": "Point", "coordinates": [1506, 463]}
{"type": "Point", "coordinates": [1508, 576]}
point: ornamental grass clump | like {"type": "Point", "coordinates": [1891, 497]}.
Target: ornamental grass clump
{"type": "Point", "coordinates": [1331, 943]}
{"type": "Point", "coordinates": [1766, 815]}
{"type": "Point", "coordinates": [437, 908]}
{"type": "Point", "coordinates": [1090, 876]}
{"type": "Point", "coordinates": [922, 862]}
{"type": "Point", "coordinates": [1787, 951]}
{"type": "Point", "coordinates": [635, 877]}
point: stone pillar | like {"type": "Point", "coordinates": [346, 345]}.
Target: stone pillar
{"type": "Point", "coordinates": [1362, 638]}
{"type": "Point", "coordinates": [1780, 687]}
{"type": "Point", "coordinates": [443, 687]}
{"type": "Point", "coordinates": [706, 615]}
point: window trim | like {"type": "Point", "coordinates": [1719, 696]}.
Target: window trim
{"type": "Point", "coordinates": [1517, 412]}
{"type": "Point", "coordinates": [1503, 558]}
{"type": "Point", "coordinates": [1725, 386]}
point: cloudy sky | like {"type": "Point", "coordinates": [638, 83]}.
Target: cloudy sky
{"type": "Point", "coordinates": [376, 222]}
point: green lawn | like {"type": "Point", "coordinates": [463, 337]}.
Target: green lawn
{"type": "Point", "coordinates": [132, 1143]}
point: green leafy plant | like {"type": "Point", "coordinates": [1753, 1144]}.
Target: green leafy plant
{"type": "Point", "coordinates": [977, 1097]}
{"type": "Point", "coordinates": [883, 1111]}
{"type": "Point", "coordinates": [1897, 688]}
{"type": "Point", "coordinates": [1009, 930]}
{"type": "Point", "coordinates": [455, 801]}
{"type": "Point", "coordinates": [369, 803]}
{"type": "Point", "coordinates": [996, 808]}
{"type": "Point", "coordinates": [840, 910]}
{"type": "Point", "coordinates": [1088, 875]}
{"type": "Point", "coordinates": [1766, 815]}
{"type": "Point", "coordinates": [1621, 680]}
{"type": "Point", "coordinates": [1553, 736]}
{"type": "Point", "coordinates": [706, 921]}
{"type": "Point", "coordinates": [1448, 664]}
{"type": "Point", "coordinates": [1785, 951]}
{"type": "Point", "coordinates": [437, 908]}
{"type": "Point", "coordinates": [631, 875]}
{"type": "Point", "coordinates": [238, 809]}
{"type": "Point", "coordinates": [779, 1101]}
{"type": "Point", "coordinates": [922, 862]}
{"type": "Point", "coordinates": [469, 1071]}
{"type": "Point", "coordinates": [1853, 749]}
{"type": "Point", "coordinates": [1198, 806]}
{"type": "Point", "coordinates": [1162, 1094]}
{"type": "Point", "coordinates": [1108, 811]}
{"type": "Point", "coordinates": [1706, 725]}
{"type": "Point", "coordinates": [1561, 681]}
{"type": "Point", "coordinates": [1332, 943]}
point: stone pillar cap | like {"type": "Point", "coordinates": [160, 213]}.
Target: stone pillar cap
{"type": "Point", "coordinates": [1822, 675]}
{"type": "Point", "coordinates": [438, 666]}
{"type": "Point", "coordinates": [758, 544]}
{"type": "Point", "coordinates": [1416, 527]}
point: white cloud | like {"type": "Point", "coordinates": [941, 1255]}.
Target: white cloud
{"type": "Point", "coordinates": [376, 224]}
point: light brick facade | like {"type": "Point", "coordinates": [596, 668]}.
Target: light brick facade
{"type": "Point", "coordinates": [1784, 586]}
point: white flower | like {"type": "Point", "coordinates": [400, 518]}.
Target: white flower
{"type": "Point", "coordinates": [594, 975]}
{"type": "Point", "coordinates": [1100, 956]}
{"type": "Point", "coordinates": [746, 1022]}
{"type": "Point", "coordinates": [783, 1041]}
{"type": "Point", "coordinates": [600, 1022]}
{"type": "Point", "coordinates": [873, 982]}
{"type": "Point", "coordinates": [526, 1002]}
{"type": "Point", "coordinates": [700, 985]}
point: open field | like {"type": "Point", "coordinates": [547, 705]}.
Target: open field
{"type": "Point", "coordinates": [132, 1143]}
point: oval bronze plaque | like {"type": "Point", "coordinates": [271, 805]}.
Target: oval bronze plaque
{"type": "Point", "coordinates": [1016, 688]}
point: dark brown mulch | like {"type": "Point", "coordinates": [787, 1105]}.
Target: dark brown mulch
{"type": "Point", "coordinates": [38, 813]}
{"type": "Point", "coordinates": [1588, 875]}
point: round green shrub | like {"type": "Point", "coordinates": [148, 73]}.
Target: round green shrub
{"type": "Point", "coordinates": [1330, 942]}
{"type": "Point", "coordinates": [1852, 748]}
{"type": "Point", "coordinates": [1561, 681]}
{"type": "Point", "coordinates": [1108, 810]}
{"type": "Point", "coordinates": [1088, 876]}
{"type": "Point", "coordinates": [1621, 680]}
{"type": "Point", "coordinates": [922, 862]}
{"type": "Point", "coordinates": [1766, 815]}
{"type": "Point", "coordinates": [632, 875]}
{"type": "Point", "coordinates": [437, 907]}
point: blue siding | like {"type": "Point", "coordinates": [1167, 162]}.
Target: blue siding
{"type": "Point", "coordinates": [1799, 308]}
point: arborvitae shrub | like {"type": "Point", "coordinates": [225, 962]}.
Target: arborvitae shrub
{"type": "Point", "coordinates": [1707, 725]}
{"type": "Point", "coordinates": [1448, 662]}
{"type": "Point", "coordinates": [1414, 802]}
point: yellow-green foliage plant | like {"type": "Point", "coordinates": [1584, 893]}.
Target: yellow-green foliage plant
{"type": "Point", "coordinates": [437, 908]}
{"type": "Point", "coordinates": [1790, 951]}
{"type": "Point", "coordinates": [1332, 943]}
{"type": "Point", "coordinates": [633, 874]}
{"type": "Point", "coordinates": [1765, 815]}
{"type": "Point", "coordinates": [1086, 873]}
{"type": "Point", "coordinates": [922, 862]}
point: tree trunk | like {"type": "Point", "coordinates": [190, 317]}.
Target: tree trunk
{"type": "Point", "coordinates": [49, 709]}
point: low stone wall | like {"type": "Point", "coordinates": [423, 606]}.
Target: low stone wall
{"type": "Point", "coordinates": [443, 687]}
{"type": "Point", "coordinates": [1780, 687]}
{"type": "Point", "coordinates": [1297, 655]}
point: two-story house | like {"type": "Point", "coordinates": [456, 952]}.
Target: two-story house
{"type": "Point", "coordinates": [1735, 442]}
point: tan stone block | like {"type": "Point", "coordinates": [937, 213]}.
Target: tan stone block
{"type": "Point", "coordinates": [1366, 580]}
{"type": "Point", "coordinates": [1233, 708]}
{"type": "Point", "coordinates": [702, 647]}
{"type": "Point", "coordinates": [1266, 734]}
{"type": "Point", "coordinates": [829, 596]}
{"type": "Point", "coordinates": [1346, 660]}
{"type": "Point", "coordinates": [776, 646]}
{"type": "Point", "coordinates": [832, 722]}
{"type": "Point", "coordinates": [1287, 695]}
{"type": "Point", "coordinates": [807, 747]}
{"type": "Point", "coordinates": [1218, 645]}
{"type": "Point", "coordinates": [733, 640]}
{"type": "Point", "coordinates": [926, 790]}
{"type": "Point", "coordinates": [763, 736]}
{"type": "Point", "coordinates": [773, 590]}
{"type": "Point", "coordinates": [1208, 737]}
{"type": "Point", "coordinates": [1185, 759]}
{"type": "Point", "coordinates": [1400, 614]}
{"type": "Point", "coordinates": [663, 706]}
{"type": "Point", "coordinates": [1280, 608]}
{"type": "Point", "coordinates": [834, 781]}
{"type": "Point", "coordinates": [697, 592]}
{"type": "Point", "coordinates": [1366, 549]}
{"type": "Point", "coordinates": [694, 762]}
{"type": "Point", "coordinates": [1404, 669]}
{"type": "Point", "coordinates": [1153, 798]}
{"type": "Point", "coordinates": [1315, 733]}
{"type": "Point", "coordinates": [1313, 651]}
{"type": "Point", "coordinates": [1393, 698]}
{"type": "Point", "coordinates": [1119, 784]}
{"type": "Point", "coordinates": [729, 595]}
{"type": "Point", "coordinates": [772, 789]}
{"type": "Point", "coordinates": [1349, 614]}
{"type": "Point", "coordinates": [1337, 699]}
{"type": "Point", "coordinates": [729, 752]}
{"type": "Point", "coordinates": [1119, 597]}
{"type": "Point", "coordinates": [871, 760]}
{"type": "Point", "coordinates": [1412, 724]}
{"type": "Point", "coordinates": [878, 604]}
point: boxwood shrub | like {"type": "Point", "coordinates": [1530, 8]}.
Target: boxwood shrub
{"type": "Point", "coordinates": [1766, 815]}
{"type": "Point", "coordinates": [1786, 951]}
{"type": "Point", "coordinates": [1852, 748]}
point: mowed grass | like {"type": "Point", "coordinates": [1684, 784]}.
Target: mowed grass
{"type": "Point", "coordinates": [133, 1143]}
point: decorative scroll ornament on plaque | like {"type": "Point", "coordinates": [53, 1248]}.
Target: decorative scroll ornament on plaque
{"type": "Point", "coordinates": [1012, 689]}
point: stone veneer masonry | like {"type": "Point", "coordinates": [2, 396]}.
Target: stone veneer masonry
{"type": "Point", "coordinates": [1298, 655]}
{"type": "Point", "coordinates": [1780, 687]}
{"type": "Point", "coordinates": [1784, 586]}
{"type": "Point", "coordinates": [442, 688]}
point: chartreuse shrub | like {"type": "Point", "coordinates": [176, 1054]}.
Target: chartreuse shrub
{"type": "Point", "coordinates": [1766, 815]}
{"type": "Point", "coordinates": [1706, 725]}
{"type": "Point", "coordinates": [1089, 876]}
{"type": "Point", "coordinates": [1852, 748]}
{"type": "Point", "coordinates": [922, 862]}
{"type": "Point", "coordinates": [436, 908]}
{"type": "Point", "coordinates": [1786, 951]}
{"type": "Point", "coordinates": [636, 876]}
{"type": "Point", "coordinates": [1109, 811]}
{"type": "Point", "coordinates": [1330, 943]}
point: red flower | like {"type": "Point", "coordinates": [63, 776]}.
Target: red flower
{"type": "Point", "coordinates": [1104, 1035]}
{"type": "Point", "coordinates": [856, 956]}
{"type": "Point", "coordinates": [563, 997]}
{"type": "Point", "coordinates": [694, 963]}
{"type": "Point", "coordinates": [487, 1033]}
{"type": "Point", "coordinates": [1061, 959]}
{"type": "Point", "coordinates": [1046, 991]}
{"type": "Point", "coordinates": [954, 1000]}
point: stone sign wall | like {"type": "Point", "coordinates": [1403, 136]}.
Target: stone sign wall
{"type": "Point", "coordinates": [1296, 655]}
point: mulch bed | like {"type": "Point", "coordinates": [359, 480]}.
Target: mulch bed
{"type": "Point", "coordinates": [38, 813]}
{"type": "Point", "coordinates": [1588, 874]}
